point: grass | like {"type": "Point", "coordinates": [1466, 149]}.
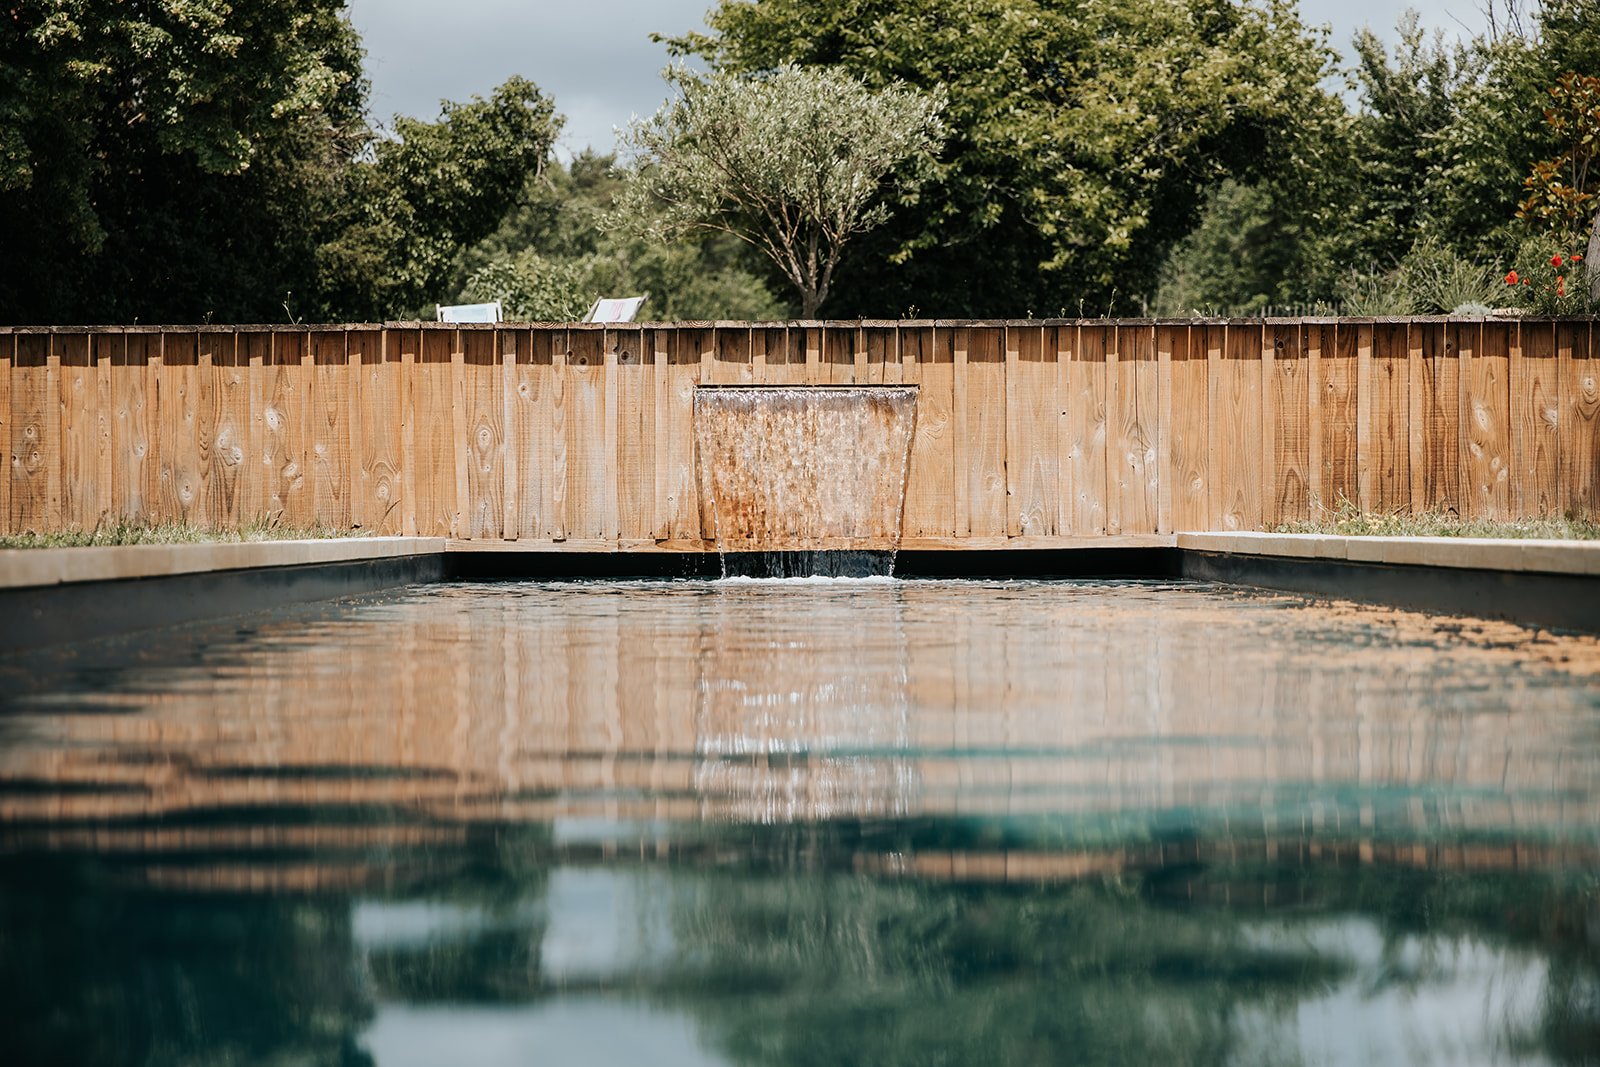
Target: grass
{"type": "Point", "coordinates": [126, 532]}
{"type": "Point", "coordinates": [1347, 520]}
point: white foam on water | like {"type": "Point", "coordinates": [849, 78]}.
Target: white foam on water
{"type": "Point", "coordinates": [810, 579]}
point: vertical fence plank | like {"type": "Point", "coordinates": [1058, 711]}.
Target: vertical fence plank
{"type": "Point", "coordinates": [1063, 340]}
{"type": "Point", "coordinates": [1363, 413]}
{"type": "Point", "coordinates": [1318, 337]}
{"type": "Point", "coordinates": [609, 523]}
{"type": "Point", "coordinates": [530, 373]}
{"type": "Point", "coordinates": [960, 338]}
{"type": "Point", "coordinates": [586, 430]}
{"type": "Point", "coordinates": [1112, 494]}
{"type": "Point", "coordinates": [229, 474]}
{"type": "Point", "coordinates": [1188, 432]}
{"type": "Point", "coordinates": [101, 349]}
{"type": "Point", "coordinates": [433, 450]}
{"type": "Point", "coordinates": [329, 408]}
{"type": "Point", "coordinates": [682, 479]}
{"type": "Point", "coordinates": [177, 390]}
{"type": "Point", "coordinates": [409, 344]}
{"type": "Point", "coordinates": [1435, 402]}
{"type": "Point", "coordinates": [79, 430]}
{"type": "Point", "coordinates": [506, 379]}
{"type": "Point", "coordinates": [1131, 458]}
{"type": "Point", "coordinates": [1032, 449]}
{"type": "Point", "coordinates": [357, 482]}
{"type": "Point", "coordinates": [656, 344]}
{"type": "Point", "coordinates": [1485, 359]}
{"type": "Point", "coordinates": [289, 499]}
{"type": "Point", "coordinates": [1580, 431]}
{"type": "Point", "coordinates": [1289, 427]}
{"type": "Point", "coordinates": [1535, 421]}
{"type": "Point", "coordinates": [1389, 432]}
{"type": "Point", "coordinates": [8, 354]}
{"type": "Point", "coordinates": [1236, 407]}
{"type": "Point", "coordinates": [636, 431]}
{"type": "Point", "coordinates": [485, 434]}
{"type": "Point", "coordinates": [1269, 416]}
{"type": "Point", "coordinates": [1164, 343]}
{"type": "Point", "coordinates": [927, 358]}
{"type": "Point", "coordinates": [32, 449]}
{"type": "Point", "coordinates": [1340, 415]}
{"type": "Point", "coordinates": [985, 480]}
{"type": "Point", "coordinates": [460, 442]}
{"type": "Point", "coordinates": [377, 452]}
{"type": "Point", "coordinates": [1088, 402]}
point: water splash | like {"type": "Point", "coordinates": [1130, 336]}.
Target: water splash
{"type": "Point", "coordinates": [797, 481]}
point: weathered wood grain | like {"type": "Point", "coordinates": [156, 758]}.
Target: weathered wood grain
{"type": "Point", "coordinates": [8, 352]}
{"type": "Point", "coordinates": [408, 342]}
{"type": "Point", "coordinates": [1390, 423]}
{"type": "Point", "coordinates": [485, 434]}
{"type": "Point", "coordinates": [1063, 340]}
{"type": "Point", "coordinates": [1132, 471]}
{"type": "Point", "coordinates": [1033, 454]}
{"type": "Point", "coordinates": [1235, 398]}
{"type": "Point", "coordinates": [1435, 407]}
{"type": "Point", "coordinates": [379, 459]}
{"type": "Point", "coordinates": [986, 432]}
{"type": "Point", "coordinates": [227, 472]}
{"type": "Point", "coordinates": [179, 397]}
{"type": "Point", "coordinates": [32, 449]}
{"type": "Point", "coordinates": [433, 447]}
{"type": "Point", "coordinates": [78, 401]}
{"type": "Point", "coordinates": [928, 361]}
{"type": "Point", "coordinates": [329, 407]}
{"type": "Point", "coordinates": [1580, 432]}
{"type": "Point", "coordinates": [1089, 430]}
{"type": "Point", "coordinates": [585, 401]}
{"type": "Point", "coordinates": [1535, 420]}
{"type": "Point", "coordinates": [1338, 374]}
{"type": "Point", "coordinates": [1486, 363]}
{"type": "Point", "coordinates": [1289, 428]}
{"type": "Point", "coordinates": [636, 431]}
{"type": "Point", "coordinates": [1187, 431]}
{"type": "Point", "coordinates": [682, 504]}
{"type": "Point", "coordinates": [1318, 337]}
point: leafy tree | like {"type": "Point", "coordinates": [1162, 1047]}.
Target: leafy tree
{"type": "Point", "coordinates": [1084, 137]}
{"type": "Point", "coordinates": [791, 160]}
{"type": "Point", "coordinates": [549, 256]}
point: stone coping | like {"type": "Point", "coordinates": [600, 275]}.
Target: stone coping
{"type": "Point", "coordinates": [24, 567]}
{"type": "Point", "coordinates": [1465, 553]}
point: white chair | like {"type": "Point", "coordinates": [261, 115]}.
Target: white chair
{"type": "Point", "coordinates": [469, 312]}
{"type": "Point", "coordinates": [616, 310]}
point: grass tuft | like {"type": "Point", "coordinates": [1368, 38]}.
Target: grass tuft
{"type": "Point", "coordinates": [1347, 520]}
{"type": "Point", "coordinates": [127, 532]}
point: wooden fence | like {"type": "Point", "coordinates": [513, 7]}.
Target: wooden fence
{"type": "Point", "coordinates": [579, 436]}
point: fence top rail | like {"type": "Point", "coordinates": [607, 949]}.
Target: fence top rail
{"type": "Point", "coordinates": [807, 324]}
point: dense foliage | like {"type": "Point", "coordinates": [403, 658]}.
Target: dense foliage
{"type": "Point", "coordinates": [186, 160]}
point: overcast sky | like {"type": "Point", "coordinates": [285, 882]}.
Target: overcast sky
{"type": "Point", "coordinates": [596, 59]}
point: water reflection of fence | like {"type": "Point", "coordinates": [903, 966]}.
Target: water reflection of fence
{"type": "Point", "coordinates": [582, 434]}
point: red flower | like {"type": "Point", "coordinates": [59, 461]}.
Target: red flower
{"type": "Point", "coordinates": [1511, 279]}
{"type": "Point", "coordinates": [1555, 261]}
{"type": "Point", "coordinates": [1559, 290]}
{"type": "Point", "coordinates": [1574, 258]}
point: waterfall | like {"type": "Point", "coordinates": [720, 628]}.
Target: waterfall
{"type": "Point", "coordinates": [803, 480]}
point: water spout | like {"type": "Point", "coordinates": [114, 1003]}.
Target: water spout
{"type": "Point", "coordinates": [798, 481]}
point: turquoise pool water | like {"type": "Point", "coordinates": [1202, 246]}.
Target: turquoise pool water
{"type": "Point", "coordinates": [802, 822]}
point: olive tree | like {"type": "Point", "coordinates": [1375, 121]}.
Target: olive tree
{"type": "Point", "coordinates": [791, 160]}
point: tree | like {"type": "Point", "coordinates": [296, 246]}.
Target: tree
{"type": "Point", "coordinates": [549, 256]}
{"type": "Point", "coordinates": [790, 160]}
{"type": "Point", "coordinates": [1560, 192]}
{"type": "Point", "coordinates": [163, 155]}
{"type": "Point", "coordinates": [1084, 137]}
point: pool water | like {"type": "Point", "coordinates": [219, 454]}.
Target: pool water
{"type": "Point", "coordinates": [805, 822]}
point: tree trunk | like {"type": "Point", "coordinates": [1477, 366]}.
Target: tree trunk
{"type": "Point", "coordinates": [808, 303]}
{"type": "Point", "coordinates": [1592, 260]}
